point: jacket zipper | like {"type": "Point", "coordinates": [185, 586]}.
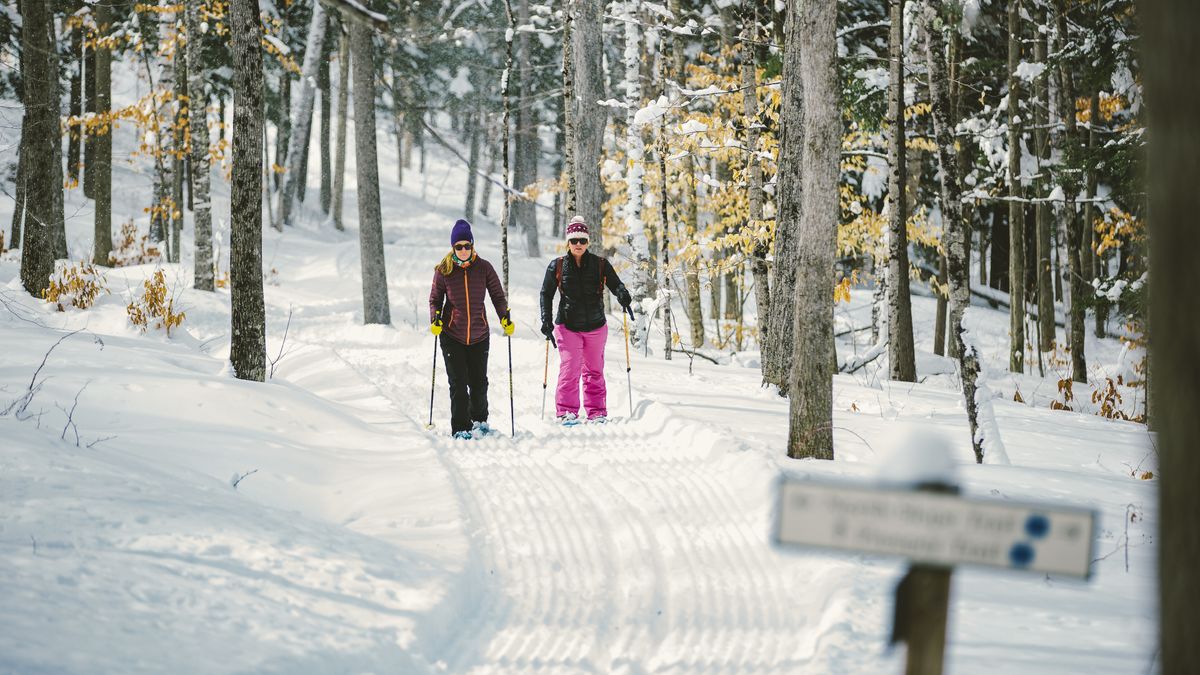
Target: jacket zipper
{"type": "Point", "coordinates": [467, 289]}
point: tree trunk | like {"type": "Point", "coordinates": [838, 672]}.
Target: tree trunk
{"type": "Point", "coordinates": [1074, 228]}
{"type": "Point", "coordinates": [1098, 266]}
{"type": "Point", "coordinates": [506, 102]}
{"type": "Point", "coordinates": [590, 118]}
{"type": "Point", "coordinates": [476, 125]}
{"type": "Point", "coordinates": [664, 269]}
{"type": "Point", "coordinates": [43, 152]}
{"type": "Point", "coordinates": [901, 353]}
{"type": "Point", "coordinates": [75, 110]}
{"type": "Point", "coordinates": [810, 428]}
{"type": "Point", "coordinates": [19, 204]}
{"type": "Point", "coordinates": [486, 197]}
{"type": "Point", "coordinates": [1045, 277]}
{"type": "Point", "coordinates": [91, 104]}
{"type": "Point", "coordinates": [939, 316]}
{"type": "Point", "coordinates": [642, 285]}
{"type": "Point", "coordinates": [339, 162]}
{"type": "Point", "coordinates": [527, 145]}
{"type": "Point", "coordinates": [198, 78]}
{"type": "Point", "coordinates": [247, 350]}
{"type": "Point", "coordinates": [179, 82]}
{"type": "Point", "coordinates": [302, 117]}
{"type": "Point", "coordinates": [956, 264]}
{"type": "Point", "coordinates": [399, 121]}
{"type": "Point", "coordinates": [283, 131]}
{"type": "Point", "coordinates": [101, 168]}
{"type": "Point", "coordinates": [324, 84]}
{"type": "Point", "coordinates": [1173, 106]}
{"type": "Point", "coordinates": [1016, 220]}
{"type": "Point", "coordinates": [370, 221]}
{"type": "Point", "coordinates": [777, 348]}
{"type": "Point", "coordinates": [569, 107]}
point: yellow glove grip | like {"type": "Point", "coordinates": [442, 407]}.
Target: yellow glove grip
{"type": "Point", "coordinates": [508, 326]}
{"type": "Point", "coordinates": [436, 327]}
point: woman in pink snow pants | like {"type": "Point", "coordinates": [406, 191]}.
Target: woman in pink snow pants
{"type": "Point", "coordinates": [578, 329]}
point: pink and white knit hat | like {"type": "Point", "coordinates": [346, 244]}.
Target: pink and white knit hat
{"type": "Point", "coordinates": [577, 229]}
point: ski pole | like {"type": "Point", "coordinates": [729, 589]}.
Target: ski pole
{"type": "Point", "coordinates": [545, 377]}
{"type": "Point", "coordinates": [628, 377]}
{"type": "Point", "coordinates": [512, 415]}
{"type": "Point", "coordinates": [433, 380]}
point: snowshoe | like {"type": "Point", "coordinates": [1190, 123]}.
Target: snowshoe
{"type": "Point", "coordinates": [569, 420]}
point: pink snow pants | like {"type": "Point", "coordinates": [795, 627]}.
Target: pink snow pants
{"type": "Point", "coordinates": [581, 354]}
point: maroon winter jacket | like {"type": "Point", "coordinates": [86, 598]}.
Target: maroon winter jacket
{"type": "Point", "coordinates": [461, 291]}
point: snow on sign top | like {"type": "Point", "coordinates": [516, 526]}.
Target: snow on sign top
{"type": "Point", "coordinates": [942, 529]}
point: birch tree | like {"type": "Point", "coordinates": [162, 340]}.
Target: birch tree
{"type": "Point", "coordinates": [749, 73]}
{"type": "Point", "coordinates": [1070, 187]}
{"type": "Point", "coordinates": [302, 115]}
{"type": "Point", "coordinates": [901, 353]}
{"type": "Point", "coordinates": [198, 76]}
{"type": "Point", "coordinates": [956, 260]}
{"type": "Point", "coordinates": [642, 284]}
{"type": "Point", "coordinates": [1041, 119]}
{"type": "Point", "coordinates": [247, 350]}
{"type": "Point", "coordinates": [810, 418]}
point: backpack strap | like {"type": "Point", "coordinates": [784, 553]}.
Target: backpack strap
{"type": "Point", "coordinates": [558, 271]}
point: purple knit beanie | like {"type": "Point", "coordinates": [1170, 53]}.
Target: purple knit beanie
{"type": "Point", "coordinates": [577, 229]}
{"type": "Point", "coordinates": [461, 232]}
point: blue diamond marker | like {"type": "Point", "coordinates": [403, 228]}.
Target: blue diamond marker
{"type": "Point", "coordinates": [1037, 526]}
{"type": "Point", "coordinates": [1021, 554]}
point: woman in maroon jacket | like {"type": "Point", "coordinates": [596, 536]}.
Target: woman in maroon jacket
{"type": "Point", "coordinates": [457, 316]}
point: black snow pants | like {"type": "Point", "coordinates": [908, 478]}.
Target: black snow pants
{"type": "Point", "coordinates": [466, 370]}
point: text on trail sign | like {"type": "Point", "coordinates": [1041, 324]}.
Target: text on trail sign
{"type": "Point", "coordinates": [942, 529]}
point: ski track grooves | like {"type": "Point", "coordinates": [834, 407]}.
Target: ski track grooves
{"type": "Point", "coordinates": [603, 549]}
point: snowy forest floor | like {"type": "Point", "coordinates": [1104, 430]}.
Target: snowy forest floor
{"type": "Point", "coordinates": [157, 514]}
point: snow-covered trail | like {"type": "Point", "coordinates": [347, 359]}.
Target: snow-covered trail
{"type": "Point", "coordinates": [637, 546]}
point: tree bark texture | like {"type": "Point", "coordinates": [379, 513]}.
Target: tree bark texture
{"type": "Point", "coordinates": [42, 150]}
{"type": "Point", "coordinates": [18, 216]}
{"type": "Point", "coordinates": [505, 127]}
{"type": "Point", "coordinates": [101, 166]}
{"type": "Point", "coordinates": [370, 221]}
{"type": "Point", "coordinates": [1173, 105]}
{"type": "Point", "coordinates": [810, 427]}
{"type": "Point", "coordinates": [901, 352]}
{"type": "Point", "coordinates": [75, 108]}
{"type": "Point", "coordinates": [247, 351]}
{"type": "Point", "coordinates": [758, 256]}
{"type": "Point", "coordinates": [339, 162]}
{"type": "Point", "coordinates": [569, 109]}
{"type": "Point", "coordinates": [198, 77]}
{"type": "Point", "coordinates": [476, 124]}
{"type": "Point", "coordinates": [326, 89]}
{"type": "Point", "coordinates": [1074, 227]}
{"type": "Point", "coordinates": [590, 118]}
{"type": "Point", "coordinates": [956, 262]}
{"type": "Point", "coordinates": [89, 104]}
{"type": "Point", "coordinates": [1045, 277]}
{"type": "Point", "coordinates": [777, 347]}
{"type": "Point", "coordinates": [1016, 219]}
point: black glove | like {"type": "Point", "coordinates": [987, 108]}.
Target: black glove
{"type": "Point", "coordinates": [623, 297]}
{"type": "Point", "coordinates": [548, 331]}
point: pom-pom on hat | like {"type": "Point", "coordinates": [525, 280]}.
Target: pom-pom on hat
{"type": "Point", "coordinates": [461, 232]}
{"type": "Point", "coordinates": [577, 229]}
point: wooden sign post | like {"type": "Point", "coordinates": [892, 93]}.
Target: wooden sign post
{"type": "Point", "coordinates": [937, 529]}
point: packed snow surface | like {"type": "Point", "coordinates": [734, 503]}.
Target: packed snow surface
{"type": "Point", "coordinates": [159, 515]}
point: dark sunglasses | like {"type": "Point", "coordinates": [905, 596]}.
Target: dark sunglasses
{"type": "Point", "coordinates": [462, 247]}
{"type": "Point", "coordinates": [577, 242]}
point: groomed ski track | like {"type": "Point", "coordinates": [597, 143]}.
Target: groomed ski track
{"type": "Point", "coordinates": [638, 546]}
